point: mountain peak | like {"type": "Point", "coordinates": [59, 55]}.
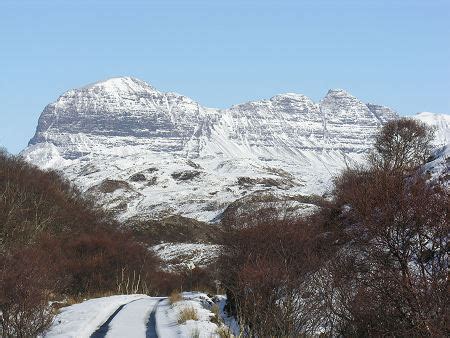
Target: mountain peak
{"type": "Point", "coordinates": [292, 96]}
{"type": "Point", "coordinates": [123, 83]}
{"type": "Point", "coordinates": [338, 92]}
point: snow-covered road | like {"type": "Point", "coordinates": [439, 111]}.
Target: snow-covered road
{"type": "Point", "coordinates": [134, 316]}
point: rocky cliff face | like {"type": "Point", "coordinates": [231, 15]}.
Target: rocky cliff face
{"type": "Point", "coordinates": [145, 153]}
{"type": "Point", "coordinates": [123, 110]}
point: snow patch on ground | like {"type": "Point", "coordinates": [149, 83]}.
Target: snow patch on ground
{"type": "Point", "coordinates": [203, 327]}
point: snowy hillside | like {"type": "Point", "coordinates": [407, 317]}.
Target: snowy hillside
{"type": "Point", "coordinates": [439, 166]}
{"type": "Point", "coordinates": [148, 154]}
{"type": "Point", "coordinates": [441, 123]}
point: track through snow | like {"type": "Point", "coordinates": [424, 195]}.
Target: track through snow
{"type": "Point", "coordinates": [134, 316]}
{"type": "Point", "coordinates": [151, 331]}
{"type": "Point", "coordinates": [136, 319]}
{"type": "Point", "coordinates": [102, 330]}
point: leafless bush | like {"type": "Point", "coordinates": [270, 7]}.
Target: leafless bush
{"type": "Point", "coordinates": [263, 269]}
{"type": "Point", "coordinates": [101, 261]}
{"type": "Point", "coordinates": [399, 234]}
{"type": "Point", "coordinates": [25, 286]}
{"type": "Point", "coordinates": [87, 251]}
{"type": "Point", "coordinates": [33, 202]}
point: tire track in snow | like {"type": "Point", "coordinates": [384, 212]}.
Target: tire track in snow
{"type": "Point", "coordinates": [151, 323]}
{"type": "Point", "coordinates": [103, 329]}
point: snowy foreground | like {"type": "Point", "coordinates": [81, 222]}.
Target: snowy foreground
{"type": "Point", "coordinates": [139, 316]}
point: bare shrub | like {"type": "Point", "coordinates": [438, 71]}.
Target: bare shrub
{"type": "Point", "coordinates": [25, 286]}
{"type": "Point", "coordinates": [224, 332]}
{"type": "Point", "coordinates": [33, 202]}
{"type": "Point", "coordinates": [164, 282]}
{"type": "Point", "coordinates": [102, 261]}
{"type": "Point", "coordinates": [399, 239]}
{"type": "Point", "coordinates": [263, 269]}
{"type": "Point", "coordinates": [87, 251]}
{"type": "Point", "coordinates": [175, 296]}
{"type": "Point", "coordinates": [188, 313]}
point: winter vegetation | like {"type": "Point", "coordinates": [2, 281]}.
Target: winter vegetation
{"type": "Point", "coordinates": [57, 247]}
{"type": "Point", "coordinates": [372, 261]}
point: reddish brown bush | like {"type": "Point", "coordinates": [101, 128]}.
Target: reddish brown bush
{"type": "Point", "coordinates": [101, 261]}
{"type": "Point", "coordinates": [26, 282]}
{"type": "Point", "coordinates": [54, 242]}
{"type": "Point", "coordinates": [33, 202]}
{"type": "Point", "coordinates": [399, 234]}
{"type": "Point", "coordinates": [263, 268]}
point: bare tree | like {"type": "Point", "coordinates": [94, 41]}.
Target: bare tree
{"type": "Point", "coordinates": [397, 228]}
{"type": "Point", "coordinates": [402, 144]}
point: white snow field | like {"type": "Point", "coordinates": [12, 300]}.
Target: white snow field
{"type": "Point", "coordinates": [136, 316]}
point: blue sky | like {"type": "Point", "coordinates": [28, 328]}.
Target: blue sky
{"type": "Point", "coordinates": [395, 53]}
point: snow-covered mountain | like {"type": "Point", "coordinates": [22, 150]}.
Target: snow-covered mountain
{"type": "Point", "coordinates": [441, 123]}
{"type": "Point", "coordinates": [439, 166]}
{"type": "Point", "coordinates": [147, 154]}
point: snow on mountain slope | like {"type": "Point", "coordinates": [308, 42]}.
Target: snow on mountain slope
{"type": "Point", "coordinates": [439, 166]}
{"type": "Point", "coordinates": [177, 256]}
{"type": "Point", "coordinates": [148, 154]}
{"type": "Point", "coordinates": [441, 123]}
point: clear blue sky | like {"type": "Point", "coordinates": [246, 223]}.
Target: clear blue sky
{"type": "Point", "coordinates": [393, 52]}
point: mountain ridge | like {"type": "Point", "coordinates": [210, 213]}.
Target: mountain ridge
{"type": "Point", "coordinates": [126, 85]}
{"type": "Point", "coordinates": [193, 160]}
